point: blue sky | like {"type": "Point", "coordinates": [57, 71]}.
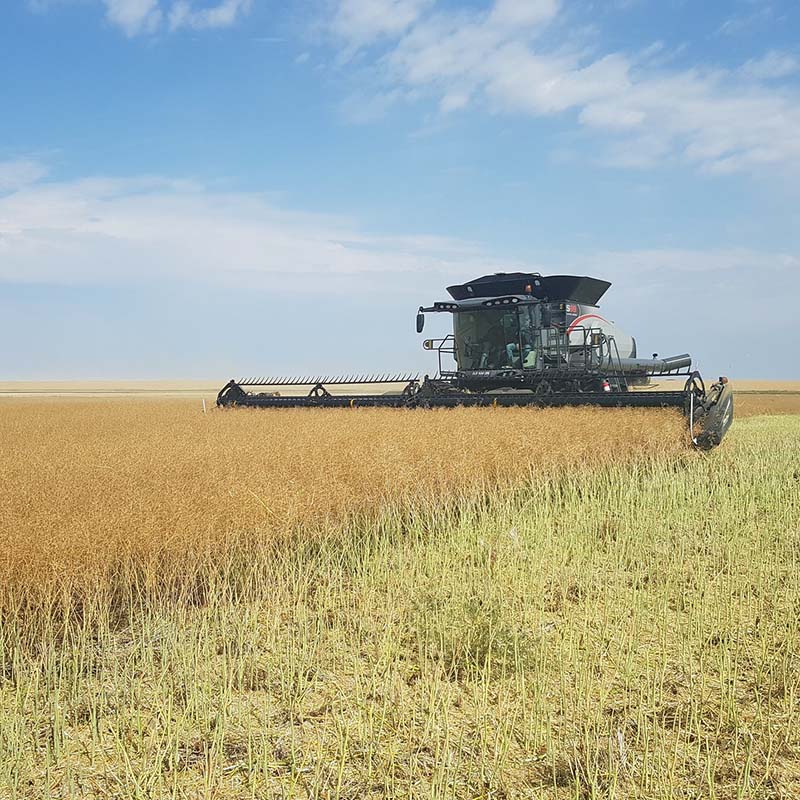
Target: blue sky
{"type": "Point", "coordinates": [205, 188]}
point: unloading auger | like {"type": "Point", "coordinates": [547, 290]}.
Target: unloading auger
{"type": "Point", "coordinates": [519, 339]}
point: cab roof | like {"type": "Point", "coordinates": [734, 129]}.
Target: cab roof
{"type": "Point", "coordinates": [580, 289]}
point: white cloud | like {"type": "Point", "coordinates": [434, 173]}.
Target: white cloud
{"type": "Point", "coordinates": [223, 15]}
{"type": "Point", "coordinates": [760, 15]}
{"type": "Point", "coordinates": [772, 66]}
{"type": "Point", "coordinates": [360, 22]}
{"type": "Point", "coordinates": [18, 173]}
{"type": "Point", "coordinates": [115, 229]}
{"type": "Point", "coordinates": [514, 13]}
{"type": "Point", "coordinates": [139, 17]}
{"type": "Point", "coordinates": [134, 16]}
{"type": "Point", "coordinates": [515, 57]}
{"type": "Point", "coordinates": [107, 230]}
{"type": "Point", "coordinates": [713, 261]}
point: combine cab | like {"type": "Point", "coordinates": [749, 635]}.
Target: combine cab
{"type": "Point", "coordinates": [521, 339]}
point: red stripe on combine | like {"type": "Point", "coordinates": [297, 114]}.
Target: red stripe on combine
{"type": "Point", "coordinates": [580, 319]}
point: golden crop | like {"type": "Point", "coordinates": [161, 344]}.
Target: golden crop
{"type": "Point", "coordinates": [92, 488]}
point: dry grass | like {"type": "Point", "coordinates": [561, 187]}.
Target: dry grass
{"type": "Point", "coordinates": [458, 604]}
{"type": "Point", "coordinates": [93, 488]}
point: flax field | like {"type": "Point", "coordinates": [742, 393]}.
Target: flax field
{"type": "Point", "coordinates": [467, 603]}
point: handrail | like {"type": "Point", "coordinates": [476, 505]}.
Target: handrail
{"type": "Point", "coordinates": [440, 346]}
{"type": "Point", "coordinates": [596, 352]}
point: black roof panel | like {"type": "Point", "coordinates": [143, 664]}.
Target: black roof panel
{"type": "Point", "coordinates": [581, 289]}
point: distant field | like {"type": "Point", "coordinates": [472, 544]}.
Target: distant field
{"type": "Point", "coordinates": [100, 388]}
{"type": "Point", "coordinates": [750, 405]}
{"type": "Point", "coordinates": [767, 386]}
{"type": "Point", "coordinates": [371, 603]}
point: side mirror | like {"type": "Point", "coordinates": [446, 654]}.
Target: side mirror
{"type": "Point", "coordinates": [420, 322]}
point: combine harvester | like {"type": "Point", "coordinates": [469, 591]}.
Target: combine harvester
{"type": "Point", "coordinates": [522, 339]}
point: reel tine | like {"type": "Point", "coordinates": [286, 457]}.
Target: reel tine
{"type": "Point", "coordinates": [342, 378]}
